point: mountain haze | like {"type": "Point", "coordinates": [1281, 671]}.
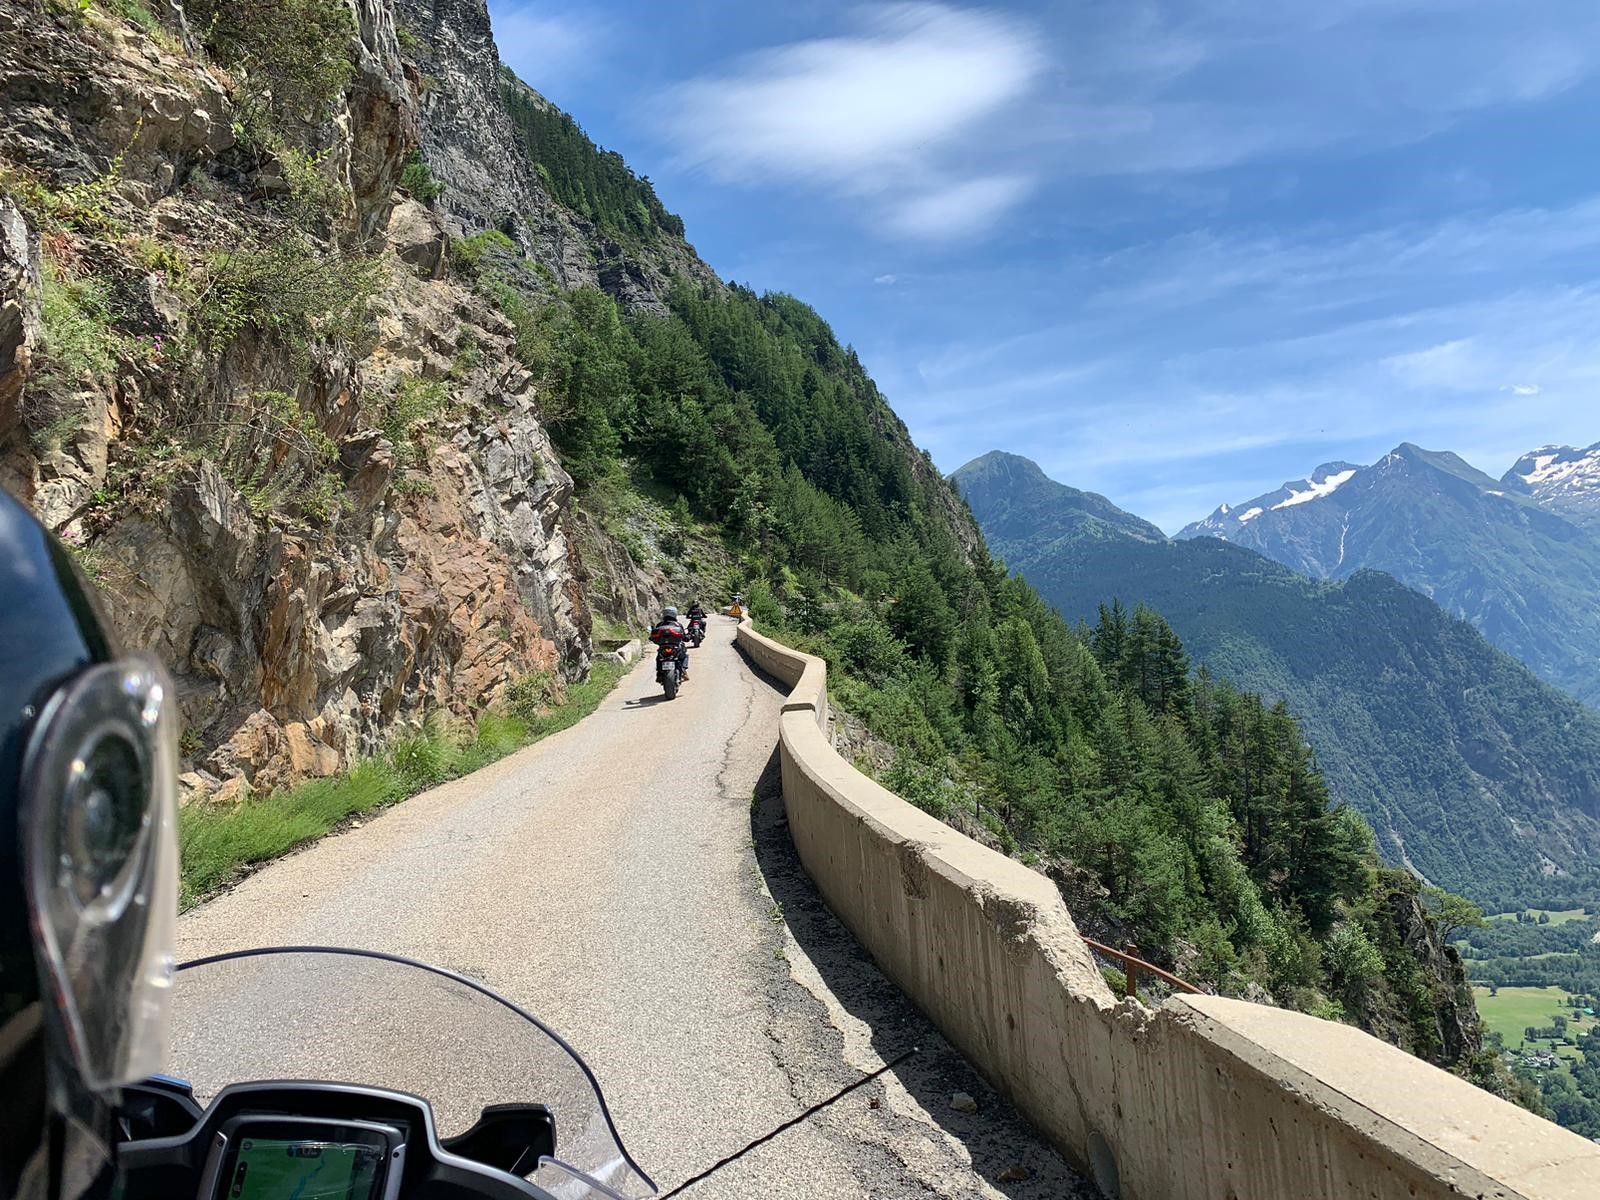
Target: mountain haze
{"type": "Point", "coordinates": [1471, 770]}
{"type": "Point", "coordinates": [1511, 558]}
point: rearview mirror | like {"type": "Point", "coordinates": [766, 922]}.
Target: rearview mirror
{"type": "Point", "coordinates": [508, 1137]}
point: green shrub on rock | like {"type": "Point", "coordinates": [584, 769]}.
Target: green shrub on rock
{"type": "Point", "coordinates": [293, 57]}
{"type": "Point", "coordinates": [291, 288]}
{"type": "Point", "coordinates": [419, 181]}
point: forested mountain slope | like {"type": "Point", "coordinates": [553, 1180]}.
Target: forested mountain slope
{"type": "Point", "coordinates": [1519, 565]}
{"type": "Point", "coordinates": [1472, 771]}
{"type": "Point", "coordinates": [365, 385]}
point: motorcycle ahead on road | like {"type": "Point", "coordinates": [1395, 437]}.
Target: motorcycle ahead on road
{"type": "Point", "coordinates": [311, 1073]}
{"type": "Point", "coordinates": [697, 630]}
{"type": "Point", "coordinates": [671, 659]}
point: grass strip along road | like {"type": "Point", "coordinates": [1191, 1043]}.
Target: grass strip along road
{"type": "Point", "coordinates": [221, 842]}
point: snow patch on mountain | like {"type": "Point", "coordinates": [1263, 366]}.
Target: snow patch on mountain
{"type": "Point", "coordinates": [1315, 489]}
{"type": "Point", "coordinates": [1553, 465]}
{"type": "Point", "coordinates": [1541, 468]}
{"type": "Point", "coordinates": [1229, 519]}
{"type": "Point", "coordinates": [1563, 479]}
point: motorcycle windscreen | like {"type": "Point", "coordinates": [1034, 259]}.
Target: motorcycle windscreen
{"type": "Point", "coordinates": [354, 1017]}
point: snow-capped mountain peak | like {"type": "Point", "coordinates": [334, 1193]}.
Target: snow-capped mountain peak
{"type": "Point", "coordinates": [1318, 487]}
{"type": "Point", "coordinates": [1564, 479]}
{"type": "Point", "coordinates": [1518, 557]}
{"type": "Point", "coordinates": [1324, 481]}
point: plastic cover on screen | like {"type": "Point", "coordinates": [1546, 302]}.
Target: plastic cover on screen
{"type": "Point", "coordinates": [357, 1017]}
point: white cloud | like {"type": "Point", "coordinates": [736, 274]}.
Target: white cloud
{"type": "Point", "coordinates": [960, 210]}
{"type": "Point", "coordinates": [885, 280]}
{"type": "Point", "coordinates": [1449, 366]}
{"type": "Point", "coordinates": [887, 113]}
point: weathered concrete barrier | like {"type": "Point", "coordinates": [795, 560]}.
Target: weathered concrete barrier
{"type": "Point", "coordinates": [1205, 1096]}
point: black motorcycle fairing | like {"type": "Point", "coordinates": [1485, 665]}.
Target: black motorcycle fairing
{"type": "Point", "coordinates": [158, 1107]}
{"type": "Point", "coordinates": [166, 1167]}
{"type": "Point", "coordinates": [509, 1137]}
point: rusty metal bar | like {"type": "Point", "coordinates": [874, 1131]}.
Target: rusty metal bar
{"type": "Point", "coordinates": [1132, 964]}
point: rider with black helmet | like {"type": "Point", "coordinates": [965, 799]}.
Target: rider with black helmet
{"type": "Point", "coordinates": [88, 870]}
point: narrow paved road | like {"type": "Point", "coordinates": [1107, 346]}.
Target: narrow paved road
{"type": "Point", "coordinates": [630, 881]}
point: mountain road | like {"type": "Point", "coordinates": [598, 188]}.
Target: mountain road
{"type": "Point", "coordinates": [630, 881]}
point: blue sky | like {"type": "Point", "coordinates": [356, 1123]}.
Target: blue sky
{"type": "Point", "coordinates": [1177, 251]}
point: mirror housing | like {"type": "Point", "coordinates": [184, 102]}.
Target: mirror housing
{"type": "Point", "coordinates": [509, 1137]}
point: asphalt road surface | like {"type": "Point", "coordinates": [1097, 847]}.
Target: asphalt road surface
{"type": "Point", "coordinates": [631, 882]}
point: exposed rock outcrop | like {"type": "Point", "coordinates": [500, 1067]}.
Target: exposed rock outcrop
{"type": "Point", "coordinates": [434, 567]}
{"type": "Point", "coordinates": [19, 308]}
{"type": "Point", "coordinates": [470, 145]}
{"type": "Point", "coordinates": [1455, 1021]}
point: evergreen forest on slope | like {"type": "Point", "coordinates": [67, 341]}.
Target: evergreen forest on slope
{"type": "Point", "coordinates": [1187, 815]}
{"type": "Point", "coordinates": [1474, 772]}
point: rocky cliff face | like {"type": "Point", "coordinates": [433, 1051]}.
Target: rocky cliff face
{"type": "Point", "coordinates": [326, 529]}
{"type": "Point", "coordinates": [1432, 1011]}
{"type": "Point", "coordinates": [472, 148]}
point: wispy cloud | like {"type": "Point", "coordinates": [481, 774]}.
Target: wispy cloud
{"type": "Point", "coordinates": [1175, 86]}
{"type": "Point", "coordinates": [887, 113]}
{"type": "Point", "coordinates": [943, 119]}
{"type": "Point", "coordinates": [959, 210]}
{"type": "Point", "coordinates": [1202, 267]}
{"type": "Point", "coordinates": [1207, 356]}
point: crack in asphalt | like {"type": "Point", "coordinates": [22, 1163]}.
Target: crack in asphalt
{"type": "Point", "coordinates": [747, 697]}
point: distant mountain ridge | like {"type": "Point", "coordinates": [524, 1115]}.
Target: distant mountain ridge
{"type": "Point", "coordinates": [1021, 491]}
{"type": "Point", "coordinates": [1517, 558]}
{"type": "Point", "coordinates": [1324, 481]}
{"type": "Point", "coordinates": [1563, 479]}
{"type": "Point", "coordinates": [1472, 771]}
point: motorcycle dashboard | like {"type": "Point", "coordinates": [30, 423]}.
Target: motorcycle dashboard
{"type": "Point", "coordinates": [304, 1158]}
{"type": "Point", "coordinates": [288, 1140]}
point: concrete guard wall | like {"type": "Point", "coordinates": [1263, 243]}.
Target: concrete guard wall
{"type": "Point", "coordinates": [1203, 1097]}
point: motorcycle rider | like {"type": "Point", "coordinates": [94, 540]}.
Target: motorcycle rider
{"type": "Point", "coordinates": [88, 870]}
{"type": "Point", "coordinates": [669, 632]}
{"type": "Point", "coordinates": [697, 613]}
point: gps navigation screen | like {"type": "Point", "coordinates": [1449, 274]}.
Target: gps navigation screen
{"type": "Point", "coordinates": [269, 1169]}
